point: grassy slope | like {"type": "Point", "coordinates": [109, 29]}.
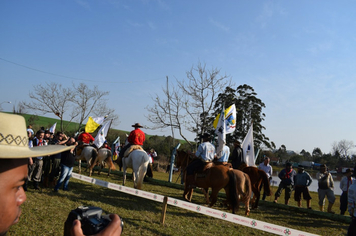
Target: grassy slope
{"type": "Point", "coordinates": [45, 213]}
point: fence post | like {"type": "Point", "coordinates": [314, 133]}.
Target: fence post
{"type": "Point", "coordinates": [164, 209]}
{"type": "Point", "coordinates": [172, 162]}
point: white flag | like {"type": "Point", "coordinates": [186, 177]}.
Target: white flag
{"type": "Point", "coordinates": [220, 131]}
{"type": "Point", "coordinates": [53, 128]}
{"type": "Point", "coordinates": [100, 137]}
{"type": "Point", "coordinates": [247, 147]}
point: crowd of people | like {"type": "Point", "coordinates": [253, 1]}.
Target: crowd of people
{"type": "Point", "coordinates": [47, 157]}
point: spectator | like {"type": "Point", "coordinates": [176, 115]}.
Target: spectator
{"type": "Point", "coordinates": [266, 167]}
{"type": "Point", "coordinates": [287, 177]}
{"type": "Point", "coordinates": [136, 137]}
{"type": "Point", "coordinates": [13, 167]}
{"type": "Point", "coordinates": [59, 139]}
{"type": "Point", "coordinates": [351, 197]}
{"type": "Point", "coordinates": [237, 157]}
{"type": "Point", "coordinates": [326, 188]}
{"type": "Point", "coordinates": [67, 163]}
{"type": "Point", "coordinates": [47, 160]}
{"type": "Point", "coordinates": [35, 173]}
{"type": "Point", "coordinates": [302, 181]}
{"type": "Point", "coordinates": [345, 183]}
{"type": "Point", "coordinates": [105, 145]}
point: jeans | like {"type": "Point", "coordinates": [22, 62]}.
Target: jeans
{"type": "Point", "coordinates": [66, 173]}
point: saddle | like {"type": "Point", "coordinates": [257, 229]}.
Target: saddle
{"type": "Point", "coordinates": [131, 148]}
{"type": "Point", "coordinates": [203, 173]}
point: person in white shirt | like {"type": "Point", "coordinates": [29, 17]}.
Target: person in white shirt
{"type": "Point", "coordinates": [266, 167]}
{"type": "Point", "coordinates": [345, 183]}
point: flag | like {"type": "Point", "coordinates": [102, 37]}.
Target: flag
{"type": "Point", "coordinates": [230, 119]}
{"type": "Point", "coordinates": [116, 151]}
{"type": "Point", "coordinates": [53, 128]}
{"type": "Point", "coordinates": [220, 131]}
{"type": "Point", "coordinates": [94, 123]}
{"type": "Point", "coordinates": [247, 147]}
{"type": "Point", "coordinates": [100, 137]}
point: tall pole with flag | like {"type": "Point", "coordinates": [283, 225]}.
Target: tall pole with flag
{"type": "Point", "coordinates": [220, 131]}
{"type": "Point", "coordinates": [100, 137]}
{"type": "Point", "coordinates": [248, 149]}
{"type": "Point", "coordinates": [93, 123]}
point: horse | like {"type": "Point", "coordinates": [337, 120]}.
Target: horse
{"type": "Point", "coordinates": [257, 178]}
{"type": "Point", "coordinates": [243, 189]}
{"type": "Point", "coordinates": [138, 161]}
{"type": "Point", "coordinates": [215, 177]}
{"type": "Point", "coordinates": [92, 156]}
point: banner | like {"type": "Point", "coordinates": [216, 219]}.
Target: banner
{"type": "Point", "coordinates": [230, 119]}
{"type": "Point", "coordinates": [94, 123]}
{"type": "Point", "coordinates": [100, 137]}
{"type": "Point", "coordinates": [247, 147]}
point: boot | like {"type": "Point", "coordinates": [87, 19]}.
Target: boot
{"type": "Point", "coordinates": [275, 199]}
{"type": "Point", "coordinates": [329, 208]}
{"type": "Point", "coordinates": [35, 185]}
{"type": "Point", "coordinates": [321, 208]}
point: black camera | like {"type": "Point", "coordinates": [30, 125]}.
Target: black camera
{"type": "Point", "coordinates": [91, 219]}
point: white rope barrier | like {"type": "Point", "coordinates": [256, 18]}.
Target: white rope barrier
{"type": "Point", "coordinates": [237, 219]}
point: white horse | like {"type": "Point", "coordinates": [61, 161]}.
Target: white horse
{"type": "Point", "coordinates": [138, 161]}
{"type": "Point", "coordinates": [92, 157]}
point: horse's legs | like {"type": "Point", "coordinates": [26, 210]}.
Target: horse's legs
{"type": "Point", "coordinates": [124, 176]}
{"type": "Point", "coordinates": [206, 194]}
{"type": "Point", "coordinates": [256, 197]}
{"type": "Point", "coordinates": [247, 207]}
{"type": "Point", "coordinates": [214, 196]}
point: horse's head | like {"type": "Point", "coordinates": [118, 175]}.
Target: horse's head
{"type": "Point", "coordinates": [182, 158]}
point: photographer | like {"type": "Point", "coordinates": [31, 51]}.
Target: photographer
{"type": "Point", "coordinates": [13, 173]}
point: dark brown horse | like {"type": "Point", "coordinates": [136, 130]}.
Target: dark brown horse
{"type": "Point", "coordinates": [215, 177]}
{"type": "Point", "coordinates": [257, 178]}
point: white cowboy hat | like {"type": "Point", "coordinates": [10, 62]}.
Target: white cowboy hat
{"type": "Point", "coordinates": [14, 140]}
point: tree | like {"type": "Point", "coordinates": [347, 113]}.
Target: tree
{"type": "Point", "coordinates": [317, 153]}
{"type": "Point", "coordinates": [249, 109]}
{"type": "Point", "coordinates": [189, 105]}
{"type": "Point", "coordinates": [343, 148]}
{"type": "Point", "coordinates": [305, 154]}
{"type": "Point", "coordinates": [52, 98]}
{"type": "Point", "coordinates": [90, 102]}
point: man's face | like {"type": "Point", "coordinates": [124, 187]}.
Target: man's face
{"type": "Point", "coordinates": [13, 173]}
{"type": "Point", "coordinates": [40, 136]}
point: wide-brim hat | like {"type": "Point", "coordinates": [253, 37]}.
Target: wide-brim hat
{"type": "Point", "coordinates": [206, 135]}
{"type": "Point", "coordinates": [14, 140]}
{"type": "Point", "coordinates": [300, 167]}
{"type": "Point", "coordinates": [137, 125]}
{"type": "Point", "coordinates": [348, 171]}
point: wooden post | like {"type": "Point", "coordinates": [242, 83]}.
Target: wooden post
{"type": "Point", "coordinates": [164, 209]}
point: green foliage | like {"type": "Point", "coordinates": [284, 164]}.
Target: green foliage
{"type": "Point", "coordinates": [248, 110]}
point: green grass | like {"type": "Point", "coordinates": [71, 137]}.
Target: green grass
{"type": "Point", "coordinates": [45, 213]}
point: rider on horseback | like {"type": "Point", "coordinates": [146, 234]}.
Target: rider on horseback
{"type": "Point", "coordinates": [136, 137]}
{"type": "Point", "coordinates": [205, 154]}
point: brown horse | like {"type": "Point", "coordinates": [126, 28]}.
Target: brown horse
{"type": "Point", "coordinates": [257, 178]}
{"type": "Point", "coordinates": [243, 189]}
{"type": "Point", "coordinates": [215, 177]}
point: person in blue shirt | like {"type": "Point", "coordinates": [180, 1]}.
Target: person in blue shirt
{"type": "Point", "coordinates": [205, 154]}
{"type": "Point", "coordinates": [287, 182]}
{"type": "Point", "coordinates": [225, 155]}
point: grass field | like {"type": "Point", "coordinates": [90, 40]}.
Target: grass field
{"type": "Point", "coordinates": [45, 213]}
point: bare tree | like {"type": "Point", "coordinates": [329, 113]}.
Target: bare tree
{"type": "Point", "coordinates": [191, 103]}
{"type": "Point", "coordinates": [169, 111]}
{"type": "Point", "coordinates": [343, 148]}
{"type": "Point", "coordinates": [51, 98]}
{"type": "Point", "coordinates": [90, 101]}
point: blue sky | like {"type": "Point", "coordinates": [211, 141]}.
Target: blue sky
{"type": "Point", "coordinates": [299, 56]}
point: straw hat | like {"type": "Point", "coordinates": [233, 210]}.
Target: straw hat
{"type": "Point", "coordinates": [14, 140]}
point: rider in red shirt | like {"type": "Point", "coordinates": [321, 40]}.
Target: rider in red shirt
{"type": "Point", "coordinates": [136, 137]}
{"type": "Point", "coordinates": [86, 138]}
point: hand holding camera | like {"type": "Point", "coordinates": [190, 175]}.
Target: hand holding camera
{"type": "Point", "coordinates": [90, 221]}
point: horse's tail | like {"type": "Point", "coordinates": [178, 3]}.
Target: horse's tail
{"type": "Point", "coordinates": [142, 171]}
{"type": "Point", "coordinates": [232, 190]}
{"type": "Point", "coordinates": [109, 160]}
{"type": "Point", "coordinates": [248, 188]}
{"type": "Point", "coordinates": [94, 158]}
{"type": "Point", "coordinates": [266, 185]}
